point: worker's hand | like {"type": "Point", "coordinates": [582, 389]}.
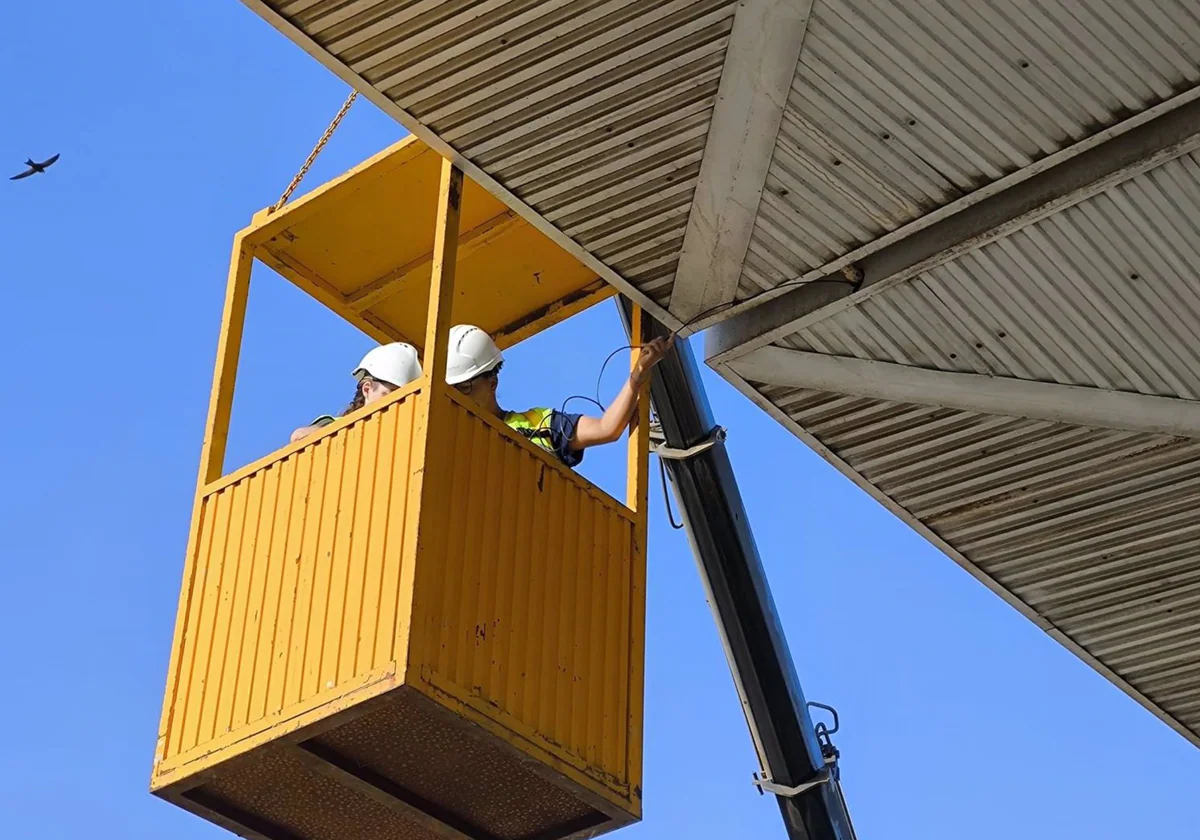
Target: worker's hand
{"type": "Point", "coordinates": [650, 355]}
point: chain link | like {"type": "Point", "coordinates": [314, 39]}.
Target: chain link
{"type": "Point", "coordinates": [312, 156]}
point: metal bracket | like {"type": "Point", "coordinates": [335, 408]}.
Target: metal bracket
{"type": "Point", "coordinates": [824, 734]}
{"type": "Point", "coordinates": [767, 786]}
{"type": "Point", "coordinates": [659, 447]}
{"type": "Point", "coordinates": [854, 275]}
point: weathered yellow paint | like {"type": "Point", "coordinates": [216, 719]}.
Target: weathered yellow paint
{"type": "Point", "coordinates": [443, 266]}
{"type": "Point", "coordinates": [638, 481]}
{"type": "Point", "coordinates": [361, 245]}
{"type": "Point", "coordinates": [212, 453]}
{"type": "Point", "coordinates": [525, 596]}
{"type": "Point", "coordinates": [414, 548]}
{"type": "Point", "coordinates": [229, 345]}
{"type": "Point", "coordinates": [278, 616]}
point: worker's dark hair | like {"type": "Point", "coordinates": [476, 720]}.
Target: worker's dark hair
{"type": "Point", "coordinates": [359, 400]}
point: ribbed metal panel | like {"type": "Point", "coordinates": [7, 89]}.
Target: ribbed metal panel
{"type": "Point", "coordinates": [594, 112]}
{"type": "Point", "coordinates": [527, 610]}
{"type": "Point", "coordinates": [295, 583]}
{"type": "Point", "coordinates": [900, 106]}
{"type": "Point", "coordinates": [1103, 294]}
{"type": "Point", "coordinates": [467, 649]}
{"type": "Point", "coordinates": [1097, 531]}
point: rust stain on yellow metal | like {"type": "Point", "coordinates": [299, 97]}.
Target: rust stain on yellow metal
{"type": "Point", "coordinates": [414, 548]}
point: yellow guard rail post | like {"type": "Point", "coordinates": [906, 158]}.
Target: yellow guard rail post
{"type": "Point", "coordinates": [414, 623]}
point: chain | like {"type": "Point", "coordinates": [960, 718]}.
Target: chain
{"type": "Point", "coordinates": [312, 156]}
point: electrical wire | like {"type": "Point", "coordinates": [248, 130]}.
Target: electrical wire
{"type": "Point", "coordinates": [854, 283]}
{"type": "Point", "coordinates": [599, 381]}
{"type": "Point", "coordinates": [662, 469]}
{"type": "Point", "coordinates": [603, 367]}
{"type": "Point", "coordinates": [850, 278]}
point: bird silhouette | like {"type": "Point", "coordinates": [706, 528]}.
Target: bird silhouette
{"type": "Point", "coordinates": [35, 168]}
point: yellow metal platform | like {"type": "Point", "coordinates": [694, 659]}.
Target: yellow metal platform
{"type": "Point", "coordinates": [415, 623]}
{"type": "Point", "coordinates": [362, 244]}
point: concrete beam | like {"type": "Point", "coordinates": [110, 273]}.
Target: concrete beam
{"type": "Point", "coordinates": [1047, 187]}
{"type": "Point", "coordinates": [760, 64]}
{"type": "Point", "coordinates": [1080, 406]}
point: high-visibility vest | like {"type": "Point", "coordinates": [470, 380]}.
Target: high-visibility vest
{"type": "Point", "coordinates": [533, 424]}
{"type": "Point", "coordinates": [540, 427]}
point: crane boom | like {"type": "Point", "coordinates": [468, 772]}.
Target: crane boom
{"type": "Point", "coordinates": [793, 763]}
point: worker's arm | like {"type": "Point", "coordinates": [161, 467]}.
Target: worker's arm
{"type": "Point", "coordinates": [594, 431]}
{"type": "Point", "coordinates": [316, 426]}
{"type": "Point", "coordinates": [303, 432]}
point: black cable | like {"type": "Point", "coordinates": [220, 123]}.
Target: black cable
{"type": "Point", "coordinates": [599, 381]}
{"type": "Point", "coordinates": [603, 367]}
{"type": "Point", "coordinates": [662, 469]}
{"type": "Point", "coordinates": [854, 284]}
{"type": "Point", "coordinates": [696, 318]}
{"type": "Point", "coordinates": [597, 403]}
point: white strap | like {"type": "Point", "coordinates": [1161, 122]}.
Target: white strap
{"type": "Point", "coordinates": [667, 453]}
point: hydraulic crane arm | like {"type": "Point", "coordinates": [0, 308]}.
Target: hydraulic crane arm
{"type": "Point", "coordinates": [794, 766]}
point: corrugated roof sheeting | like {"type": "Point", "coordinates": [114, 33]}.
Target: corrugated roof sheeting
{"type": "Point", "coordinates": [901, 106]}
{"type": "Point", "coordinates": [1097, 531]}
{"type": "Point", "coordinates": [594, 112]}
{"type": "Point", "coordinates": [1103, 294]}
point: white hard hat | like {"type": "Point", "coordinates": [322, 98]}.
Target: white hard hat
{"type": "Point", "coordinates": [472, 352]}
{"type": "Point", "coordinates": [396, 364]}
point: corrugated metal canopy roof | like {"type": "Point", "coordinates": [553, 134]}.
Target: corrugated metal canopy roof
{"type": "Point", "coordinates": [1091, 533]}
{"type": "Point", "coordinates": [589, 116]}
{"type": "Point", "coordinates": [974, 224]}
{"type": "Point", "coordinates": [1085, 517]}
{"type": "Point", "coordinates": [898, 108]}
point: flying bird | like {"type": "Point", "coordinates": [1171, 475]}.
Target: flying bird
{"type": "Point", "coordinates": [35, 168]}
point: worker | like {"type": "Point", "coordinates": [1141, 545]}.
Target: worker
{"type": "Point", "coordinates": [473, 367]}
{"type": "Point", "coordinates": [381, 371]}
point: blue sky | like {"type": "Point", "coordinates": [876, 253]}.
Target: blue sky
{"type": "Point", "coordinates": [176, 121]}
